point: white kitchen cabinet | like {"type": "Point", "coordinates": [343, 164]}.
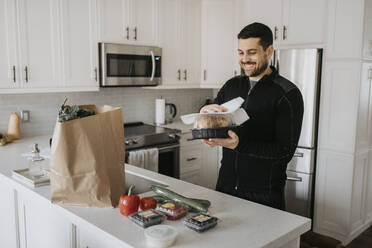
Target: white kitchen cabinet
{"type": "Point", "coordinates": [93, 239]}
{"type": "Point", "coordinates": [39, 44]}
{"type": "Point", "coordinates": [8, 213]}
{"type": "Point", "coordinates": [41, 225]}
{"type": "Point", "coordinates": [199, 164]}
{"type": "Point", "coordinates": [8, 43]}
{"type": "Point", "coordinates": [79, 44]}
{"type": "Point", "coordinates": [217, 42]}
{"type": "Point", "coordinates": [367, 43]}
{"type": "Point", "coordinates": [129, 21]}
{"type": "Point", "coordinates": [293, 22]}
{"type": "Point", "coordinates": [180, 40]}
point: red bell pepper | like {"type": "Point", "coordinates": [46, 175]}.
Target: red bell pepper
{"type": "Point", "coordinates": [147, 203]}
{"type": "Point", "coordinates": [128, 204]}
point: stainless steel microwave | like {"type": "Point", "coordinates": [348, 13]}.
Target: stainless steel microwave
{"type": "Point", "coordinates": [129, 65]}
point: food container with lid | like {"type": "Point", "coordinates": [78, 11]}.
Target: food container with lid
{"type": "Point", "coordinates": [160, 236]}
{"type": "Point", "coordinates": [217, 124]}
{"type": "Point", "coordinates": [200, 222]}
{"type": "Point", "coordinates": [147, 218]}
{"type": "Point", "coordinates": [173, 211]}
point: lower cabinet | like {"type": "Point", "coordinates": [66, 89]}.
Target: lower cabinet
{"type": "Point", "coordinates": [41, 226]}
{"type": "Point", "coordinates": [199, 164]}
{"type": "Point", "coordinates": [90, 239]}
{"type": "Point", "coordinates": [8, 214]}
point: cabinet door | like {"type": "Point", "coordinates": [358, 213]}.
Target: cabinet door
{"type": "Point", "coordinates": [303, 21]}
{"type": "Point", "coordinates": [39, 43]}
{"type": "Point", "coordinates": [8, 226]}
{"type": "Point", "coordinates": [170, 30]}
{"type": "Point", "coordinates": [79, 43]}
{"type": "Point", "coordinates": [191, 41]}
{"type": "Point", "coordinates": [264, 11]}
{"type": "Point", "coordinates": [144, 21]}
{"type": "Point", "coordinates": [367, 44]}
{"type": "Point", "coordinates": [90, 239]}
{"type": "Point", "coordinates": [41, 225]}
{"type": "Point", "coordinates": [210, 167]}
{"type": "Point", "coordinates": [114, 20]}
{"type": "Point", "coordinates": [8, 61]}
{"type": "Point", "coordinates": [217, 42]}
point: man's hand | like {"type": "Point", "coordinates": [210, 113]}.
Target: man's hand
{"type": "Point", "coordinates": [231, 142]}
{"type": "Point", "coordinates": [213, 108]}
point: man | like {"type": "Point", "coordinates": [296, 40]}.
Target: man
{"type": "Point", "coordinates": [255, 158]}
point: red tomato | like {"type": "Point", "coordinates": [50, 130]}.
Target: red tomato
{"type": "Point", "coordinates": [128, 204]}
{"type": "Point", "coordinates": [147, 203]}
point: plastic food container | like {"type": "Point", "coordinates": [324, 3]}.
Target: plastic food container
{"type": "Point", "coordinates": [147, 218]}
{"type": "Point", "coordinates": [160, 236]}
{"type": "Point", "coordinates": [200, 222]}
{"type": "Point", "coordinates": [213, 125]}
{"type": "Point", "coordinates": [173, 211]}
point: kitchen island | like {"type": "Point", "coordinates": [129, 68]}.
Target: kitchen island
{"type": "Point", "coordinates": [28, 219]}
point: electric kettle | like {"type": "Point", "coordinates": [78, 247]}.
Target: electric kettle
{"type": "Point", "coordinates": [170, 112]}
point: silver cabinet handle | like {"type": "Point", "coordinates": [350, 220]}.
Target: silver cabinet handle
{"type": "Point", "coordinates": [205, 75]}
{"type": "Point", "coordinates": [191, 159]}
{"type": "Point", "coordinates": [14, 74]}
{"type": "Point", "coordinates": [284, 32]}
{"type": "Point", "coordinates": [179, 74]}
{"type": "Point", "coordinates": [298, 155]}
{"type": "Point", "coordinates": [276, 33]}
{"type": "Point", "coordinates": [95, 74]}
{"type": "Point", "coordinates": [190, 139]}
{"type": "Point", "coordinates": [295, 179]}
{"type": "Point", "coordinates": [153, 65]}
{"type": "Point", "coordinates": [370, 73]}
{"type": "Point", "coordinates": [26, 74]}
{"type": "Point", "coordinates": [135, 33]}
{"type": "Point", "coordinates": [127, 29]}
{"type": "Point", "coordinates": [185, 75]}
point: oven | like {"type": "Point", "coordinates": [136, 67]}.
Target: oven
{"type": "Point", "coordinates": [168, 160]}
{"type": "Point", "coordinates": [140, 136]}
{"type": "Point", "coordinates": [129, 65]}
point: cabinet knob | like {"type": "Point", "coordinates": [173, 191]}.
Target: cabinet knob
{"type": "Point", "coordinates": [95, 74]}
{"type": "Point", "coordinates": [135, 33]}
{"type": "Point", "coordinates": [26, 74]}
{"type": "Point", "coordinates": [276, 33]}
{"type": "Point", "coordinates": [185, 75]}
{"type": "Point", "coordinates": [205, 75]}
{"type": "Point", "coordinates": [14, 74]}
{"type": "Point", "coordinates": [284, 32]}
{"type": "Point", "coordinates": [190, 159]}
{"type": "Point", "coordinates": [127, 30]}
{"type": "Point", "coordinates": [179, 74]}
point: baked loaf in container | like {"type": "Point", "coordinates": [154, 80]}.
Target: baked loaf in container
{"type": "Point", "coordinates": [212, 125]}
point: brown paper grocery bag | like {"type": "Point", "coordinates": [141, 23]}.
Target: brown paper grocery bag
{"type": "Point", "coordinates": [87, 159]}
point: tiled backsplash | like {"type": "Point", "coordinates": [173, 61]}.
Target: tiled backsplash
{"type": "Point", "coordinates": [138, 105]}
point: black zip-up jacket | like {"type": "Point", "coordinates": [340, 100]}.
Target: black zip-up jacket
{"type": "Point", "coordinates": [268, 140]}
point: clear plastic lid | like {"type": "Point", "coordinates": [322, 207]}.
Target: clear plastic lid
{"type": "Point", "coordinates": [160, 235]}
{"type": "Point", "coordinates": [213, 120]}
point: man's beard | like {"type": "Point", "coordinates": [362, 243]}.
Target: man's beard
{"type": "Point", "coordinates": [260, 69]}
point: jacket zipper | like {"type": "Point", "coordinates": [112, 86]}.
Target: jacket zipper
{"type": "Point", "coordinates": [236, 171]}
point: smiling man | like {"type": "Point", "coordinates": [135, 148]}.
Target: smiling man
{"type": "Point", "coordinates": [255, 158]}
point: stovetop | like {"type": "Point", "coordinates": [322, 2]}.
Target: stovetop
{"type": "Point", "coordinates": [141, 135]}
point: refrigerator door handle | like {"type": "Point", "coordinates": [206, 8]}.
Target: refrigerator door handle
{"type": "Point", "coordinates": [295, 179]}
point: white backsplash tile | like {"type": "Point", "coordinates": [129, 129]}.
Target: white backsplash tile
{"type": "Point", "coordinates": [138, 105]}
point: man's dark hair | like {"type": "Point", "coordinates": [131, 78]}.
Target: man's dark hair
{"type": "Point", "coordinates": [257, 30]}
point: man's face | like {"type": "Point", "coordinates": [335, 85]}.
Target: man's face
{"type": "Point", "coordinates": [253, 59]}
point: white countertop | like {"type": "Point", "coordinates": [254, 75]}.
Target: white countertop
{"type": "Point", "coordinates": [243, 223]}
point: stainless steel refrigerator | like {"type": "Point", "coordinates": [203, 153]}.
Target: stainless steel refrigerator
{"type": "Point", "coordinates": [303, 68]}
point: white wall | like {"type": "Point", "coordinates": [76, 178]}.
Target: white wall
{"type": "Point", "coordinates": [137, 103]}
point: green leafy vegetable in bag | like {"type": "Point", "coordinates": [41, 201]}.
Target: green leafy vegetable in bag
{"type": "Point", "coordinates": [67, 113]}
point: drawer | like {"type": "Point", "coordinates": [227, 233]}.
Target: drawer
{"type": "Point", "coordinates": [190, 159]}
{"type": "Point", "coordinates": [186, 140]}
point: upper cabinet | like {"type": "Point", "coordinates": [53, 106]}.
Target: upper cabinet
{"type": "Point", "coordinates": [367, 44]}
{"type": "Point", "coordinates": [180, 40]}
{"type": "Point", "coordinates": [293, 22]}
{"type": "Point", "coordinates": [48, 46]}
{"type": "Point", "coordinates": [129, 21]}
{"type": "Point", "coordinates": [79, 43]}
{"type": "Point", "coordinates": [217, 40]}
